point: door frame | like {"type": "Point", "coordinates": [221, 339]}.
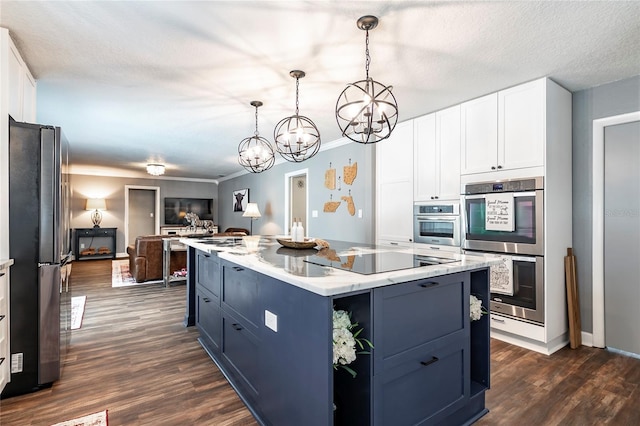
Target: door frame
{"type": "Point", "coordinates": [287, 199]}
{"type": "Point", "coordinates": [597, 254]}
{"type": "Point", "coordinates": [156, 213]}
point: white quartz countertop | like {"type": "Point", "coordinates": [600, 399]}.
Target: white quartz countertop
{"type": "Point", "coordinates": [5, 263]}
{"type": "Point", "coordinates": [292, 266]}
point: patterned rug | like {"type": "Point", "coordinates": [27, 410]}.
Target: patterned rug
{"type": "Point", "coordinates": [121, 277]}
{"type": "Point", "coordinates": [96, 419]}
{"type": "Point", "coordinates": [77, 311]}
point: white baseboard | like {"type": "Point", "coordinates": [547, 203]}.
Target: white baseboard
{"type": "Point", "coordinates": [587, 339]}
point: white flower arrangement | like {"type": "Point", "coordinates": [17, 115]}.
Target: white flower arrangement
{"type": "Point", "coordinates": [345, 341]}
{"type": "Point", "coordinates": [476, 309]}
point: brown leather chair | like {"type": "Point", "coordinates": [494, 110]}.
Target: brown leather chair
{"type": "Point", "coordinates": [145, 258]}
{"type": "Point", "coordinates": [233, 232]}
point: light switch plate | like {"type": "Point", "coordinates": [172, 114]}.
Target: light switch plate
{"type": "Point", "coordinates": [314, 213]}
{"type": "Point", "coordinates": [271, 320]}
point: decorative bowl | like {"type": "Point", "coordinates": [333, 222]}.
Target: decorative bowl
{"type": "Point", "coordinates": [306, 244]}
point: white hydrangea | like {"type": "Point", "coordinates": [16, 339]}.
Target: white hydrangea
{"type": "Point", "coordinates": [344, 344]}
{"type": "Point", "coordinates": [475, 312]}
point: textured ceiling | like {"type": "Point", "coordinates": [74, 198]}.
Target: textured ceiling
{"type": "Point", "coordinates": [131, 82]}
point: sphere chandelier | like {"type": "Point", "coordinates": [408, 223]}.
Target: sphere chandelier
{"type": "Point", "coordinates": [367, 111]}
{"type": "Point", "coordinates": [255, 153]}
{"type": "Point", "coordinates": [297, 138]}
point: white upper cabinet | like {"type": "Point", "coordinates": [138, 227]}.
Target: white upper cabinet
{"type": "Point", "coordinates": [436, 156]}
{"type": "Point", "coordinates": [394, 186]}
{"type": "Point", "coordinates": [22, 88]}
{"type": "Point", "coordinates": [521, 126]}
{"type": "Point", "coordinates": [504, 130]}
{"type": "Point", "coordinates": [479, 135]}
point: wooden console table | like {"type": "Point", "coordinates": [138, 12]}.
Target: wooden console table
{"type": "Point", "coordinates": [95, 243]}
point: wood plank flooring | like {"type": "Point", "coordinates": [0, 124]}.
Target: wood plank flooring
{"type": "Point", "coordinates": [133, 357]}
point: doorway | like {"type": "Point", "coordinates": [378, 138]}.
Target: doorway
{"type": "Point", "coordinates": [142, 206]}
{"type": "Point", "coordinates": [613, 138]}
{"type": "Point", "coordinates": [296, 200]}
{"type": "Point", "coordinates": [622, 237]}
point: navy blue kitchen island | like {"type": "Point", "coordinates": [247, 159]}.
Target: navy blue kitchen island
{"type": "Point", "coordinates": [265, 319]}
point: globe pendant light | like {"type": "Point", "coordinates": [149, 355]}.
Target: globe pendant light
{"type": "Point", "coordinates": [297, 138]}
{"type": "Point", "coordinates": [367, 111]}
{"type": "Point", "coordinates": [255, 153]}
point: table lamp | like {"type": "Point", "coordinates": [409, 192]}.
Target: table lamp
{"type": "Point", "coordinates": [252, 212]}
{"type": "Point", "coordinates": [96, 204]}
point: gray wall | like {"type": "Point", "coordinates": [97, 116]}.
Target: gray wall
{"type": "Point", "coordinates": [267, 189]}
{"type": "Point", "coordinates": [603, 101]}
{"type": "Point", "coordinates": [112, 189]}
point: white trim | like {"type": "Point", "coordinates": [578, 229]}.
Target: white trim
{"type": "Point", "coordinates": [126, 209]}
{"type": "Point", "coordinates": [287, 199]}
{"type": "Point", "coordinates": [597, 257]}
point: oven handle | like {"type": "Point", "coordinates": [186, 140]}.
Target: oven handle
{"type": "Point", "coordinates": [515, 194]}
{"type": "Point", "coordinates": [523, 259]}
{"type": "Point", "coordinates": [436, 218]}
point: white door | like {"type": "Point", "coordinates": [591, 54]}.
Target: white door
{"type": "Point", "coordinates": [622, 236]}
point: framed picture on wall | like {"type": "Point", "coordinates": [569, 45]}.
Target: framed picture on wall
{"type": "Point", "coordinates": [240, 199]}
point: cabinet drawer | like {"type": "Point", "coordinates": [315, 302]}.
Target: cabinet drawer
{"type": "Point", "coordinates": [209, 318]}
{"type": "Point", "coordinates": [419, 311]}
{"type": "Point", "coordinates": [240, 294]}
{"type": "Point", "coordinates": [240, 351]}
{"type": "Point", "coordinates": [427, 387]}
{"type": "Point", "coordinates": [208, 267]}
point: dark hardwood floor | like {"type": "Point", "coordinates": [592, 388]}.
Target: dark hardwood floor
{"type": "Point", "coordinates": [133, 357]}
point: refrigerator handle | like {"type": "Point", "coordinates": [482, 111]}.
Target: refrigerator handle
{"type": "Point", "coordinates": [50, 250]}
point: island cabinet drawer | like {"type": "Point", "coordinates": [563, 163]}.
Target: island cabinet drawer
{"type": "Point", "coordinates": [417, 312]}
{"type": "Point", "coordinates": [240, 294]}
{"type": "Point", "coordinates": [208, 272]}
{"type": "Point", "coordinates": [209, 319]}
{"type": "Point", "coordinates": [428, 385]}
{"type": "Point", "coordinates": [240, 353]}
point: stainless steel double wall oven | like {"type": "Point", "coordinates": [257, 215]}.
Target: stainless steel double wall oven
{"type": "Point", "coordinates": [518, 238]}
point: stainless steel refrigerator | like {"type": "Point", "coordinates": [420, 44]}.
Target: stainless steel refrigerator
{"type": "Point", "coordinates": [39, 243]}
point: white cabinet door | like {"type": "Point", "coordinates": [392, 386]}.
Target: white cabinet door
{"type": "Point", "coordinates": [448, 137]}
{"type": "Point", "coordinates": [425, 158]}
{"type": "Point", "coordinates": [394, 184]}
{"type": "Point", "coordinates": [479, 133]}
{"type": "Point", "coordinates": [29, 99]}
{"type": "Point", "coordinates": [521, 131]}
{"type": "Point", "coordinates": [15, 84]}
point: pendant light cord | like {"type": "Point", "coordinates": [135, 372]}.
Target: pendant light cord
{"type": "Point", "coordinates": [256, 132]}
{"type": "Point", "coordinates": [366, 54]}
{"type": "Point", "coordinates": [297, 92]}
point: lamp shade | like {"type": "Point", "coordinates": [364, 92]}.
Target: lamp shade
{"type": "Point", "coordinates": [252, 211]}
{"type": "Point", "coordinates": [96, 204]}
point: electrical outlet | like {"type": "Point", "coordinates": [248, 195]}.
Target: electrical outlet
{"type": "Point", "coordinates": [81, 245]}
{"type": "Point", "coordinates": [151, 214]}
{"type": "Point", "coordinates": [314, 213]}
{"type": "Point", "coordinates": [271, 320]}
{"type": "Point", "coordinates": [360, 213]}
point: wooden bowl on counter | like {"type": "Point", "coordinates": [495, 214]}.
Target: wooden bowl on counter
{"type": "Point", "coordinates": [289, 243]}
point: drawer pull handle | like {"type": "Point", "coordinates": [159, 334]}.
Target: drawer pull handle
{"type": "Point", "coordinates": [431, 361]}
{"type": "Point", "coordinates": [206, 255]}
{"type": "Point", "coordinates": [2, 274]}
{"type": "Point", "coordinates": [429, 284]}
{"type": "Point", "coordinates": [1, 317]}
{"type": "Point", "coordinates": [1, 360]}
{"type": "Point", "coordinates": [501, 321]}
{"type": "Point", "coordinates": [206, 299]}
{"type": "Point", "coordinates": [236, 327]}
{"type": "Point", "coordinates": [238, 269]}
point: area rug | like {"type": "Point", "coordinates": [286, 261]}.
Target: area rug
{"type": "Point", "coordinates": [121, 277]}
{"type": "Point", "coordinates": [95, 419]}
{"type": "Point", "coordinates": [77, 311]}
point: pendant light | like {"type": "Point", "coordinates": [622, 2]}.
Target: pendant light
{"type": "Point", "coordinates": [255, 153]}
{"type": "Point", "coordinates": [367, 111]}
{"type": "Point", "coordinates": [297, 138]}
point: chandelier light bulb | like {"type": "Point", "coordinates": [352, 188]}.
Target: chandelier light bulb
{"type": "Point", "coordinates": [297, 138]}
{"type": "Point", "coordinates": [255, 153]}
{"type": "Point", "coordinates": [367, 111]}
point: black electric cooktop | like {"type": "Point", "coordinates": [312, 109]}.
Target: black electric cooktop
{"type": "Point", "coordinates": [374, 263]}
